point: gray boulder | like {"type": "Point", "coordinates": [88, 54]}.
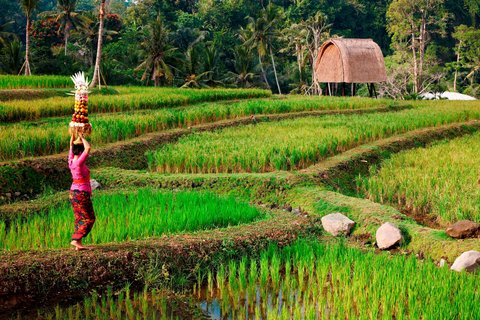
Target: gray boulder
{"type": "Point", "coordinates": [337, 224]}
{"type": "Point", "coordinates": [388, 235]}
{"type": "Point", "coordinates": [469, 261]}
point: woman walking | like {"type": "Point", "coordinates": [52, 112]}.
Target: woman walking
{"type": "Point", "coordinates": [81, 191]}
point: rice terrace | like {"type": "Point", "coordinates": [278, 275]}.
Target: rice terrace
{"type": "Point", "coordinates": [236, 159]}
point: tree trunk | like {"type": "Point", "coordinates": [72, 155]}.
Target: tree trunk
{"type": "Point", "coordinates": [415, 66]}
{"type": "Point", "coordinates": [96, 72]}
{"type": "Point", "coordinates": [456, 67]}
{"type": "Point", "coordinates": [422, 44]}
{"type": "Point", "coordinates": [275, 71]}
{"type": "Point", "coordinates": [299, 60]}
{"type": "Point", "coordinates": [67, 35]}
{"type": "Point", "coordinates": [27, 49]}
{"type": "Point", "coordinates": [263, 71]}
{"type": "Point", "coordinates": [66, 43]}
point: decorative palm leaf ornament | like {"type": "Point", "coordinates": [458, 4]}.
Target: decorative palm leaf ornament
{"type": "Point", "coordinates": [79, 123]}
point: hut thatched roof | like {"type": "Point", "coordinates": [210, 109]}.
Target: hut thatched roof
{"type": "Point", "coordinates": [351, 61]}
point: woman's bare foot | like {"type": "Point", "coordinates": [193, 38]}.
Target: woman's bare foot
{"type": "Point", "coordinates": [78, 245]}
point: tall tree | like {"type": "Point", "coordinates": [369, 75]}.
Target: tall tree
{"type": "Point", "coordinates": [96, 70]}
{"type": "Point", "coordinates": [28, 6]}
{"type": "Point", "coordinates": [411, 23]}
{"type": "Point", "coordinates": [158, 55]}
{"type": "Point", "coordinates": [67, 18]}
{"type": "Point", "coordinates": [11, 56]}
{"type": "Point", "coordinates": [318, 30]}
{"type": "Point", "coordinates": [261, 33]}
{"type": "Point", "coordinates": [243, 74]}
{"type": "Point", "coordinates": [4, 32]}
{"type": "Point", "coordinates": [468, 50]}
{"type": "Point", "coordinates": [473, 7]}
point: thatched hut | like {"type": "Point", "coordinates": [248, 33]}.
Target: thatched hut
{"type": "Point", "coordinates": [350, 61]}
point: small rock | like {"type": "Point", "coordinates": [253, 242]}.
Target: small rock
{"type": "Point", "coordinates": [442, 263]}
{"type": "Point", "coordinates": [463, 229]}
{"type": "Point", "coordinates": [388, 235]}
{"type": "Point", "coordinates": [94, 184]}
{"type": "Point", "coordinates": [296, 211]}
{"type": "Point", "coordinates": [8, 195]}
{"type": "Point", "coordinates": [469, 261]}
{"type": "Point", "coordinates": [17, 194]}
{"type": "Point", "coordinates": [337, 224]}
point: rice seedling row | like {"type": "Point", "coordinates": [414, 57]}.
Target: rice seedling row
{"type": "Point", "coordinates": [48, 136]}
{"type": "Point", "coordinates": [32, 82]}
{"type": "Point", "coordinates": [441, 180]}
{"type": "Point", "coordinates": [127, 99]}
{"type": "Point", "coordinates": [127, 216]}
{"type": "Point", "coordinates": [291, 144]}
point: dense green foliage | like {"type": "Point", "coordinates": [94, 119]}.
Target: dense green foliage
{"type": "Point", "coordinates": [440, 180]}
{"type": "Point", "coordinates": [291, 144]}
{"type": "Point", "coordinates": [244, 42]}
{"type": "Point", "coordinates": [123, 216]}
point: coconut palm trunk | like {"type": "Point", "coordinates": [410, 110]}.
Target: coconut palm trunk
{"type": "Point", "coordinates": [28, 6]}
{"type": "Point", "coordinates": [96, 71]}
{"type": "Point", "coordinates": [27, 49]}
{"type": "Point", "coordinates": [264, 75]}
{"type": "Point", "coordinates": [275, 71]}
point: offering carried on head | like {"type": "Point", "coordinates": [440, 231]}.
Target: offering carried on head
{"type": "Point", "coordinates": [80, 123]}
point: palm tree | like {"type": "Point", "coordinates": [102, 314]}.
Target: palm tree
{"type": "Point", "coordinates": [11, 56]}
{"type": "Point", "coordinates": [295, 35]}
{"type": "Point", "coordinates": [96, 70]}
{"type": "Point", "coordinates": [158, 54]}
{"type": "Point", "coordinates": [28, 6]}
{"type": "Point", "coordinates": [210, 64]}
{"type": "Point", "coordinates": [262, 32]}
{"type": "Point", "coordinates": [194, 78]}
{"type": "Point", "coordinates": [67, 18]}
{"type": "Point", "coordinates": [243, 74]}
{"type": "Point", "coordinates": [4, 33]}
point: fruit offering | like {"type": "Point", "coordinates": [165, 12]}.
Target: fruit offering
{"type": "Point", "coordinates": [80, 123]}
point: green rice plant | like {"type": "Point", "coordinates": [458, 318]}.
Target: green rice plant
{"type": "Point", "coordinates": [294, 144]}
{"type": "Point", "coordinates": [127, 99]}
{"type": "Point", "coordinates": [440, 180]}
{"type": "Point", "coordinates": [129, 215]}
{"type": "Point", "coordinates": [349, 283]}
{"type": "Point", "coordinates": [49, 136]}
{"type": "Point", "coordinates": [146, 305]}
{"type": "Point", "coordinates": [34, 82]}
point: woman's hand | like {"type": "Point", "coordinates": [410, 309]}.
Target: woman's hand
{"type": "Point", "coordinates": [85, 143]}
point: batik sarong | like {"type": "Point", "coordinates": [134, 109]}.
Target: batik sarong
{"type": "Point", "coordinates": [84, 214]}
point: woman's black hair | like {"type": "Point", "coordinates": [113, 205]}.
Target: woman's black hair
{"type": "Point", "coordinates": [77, 149]}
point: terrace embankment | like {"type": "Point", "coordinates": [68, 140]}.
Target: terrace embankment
{"type": "Point", "coordinates": [40, 275]}
{"type": "Point", "coordinates": [31, 176]}
{"type": "Point", "coordinates": [340, 171]}
{"type": "Point", "coordinates": [368, 216]}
